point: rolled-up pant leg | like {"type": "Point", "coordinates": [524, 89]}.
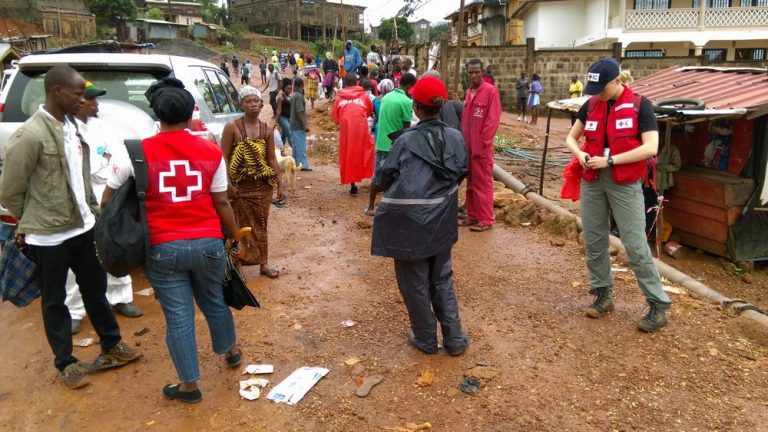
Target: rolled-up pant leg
{"type": "Point", "coordinates": [413, 280]}
{"type": "Point", "coordinates": [628, 206]}
{"type": "Point", "coordinates": [444, 301]}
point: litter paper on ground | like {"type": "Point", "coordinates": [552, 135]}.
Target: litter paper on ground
{"type": "Point", "coordinates": [251, 388]}
{"type": "Point", "coordinates": [145, 292]}
{"type": "Point", "coordinates": [254, 369]}
{"type": "Point", "coordinates": [85, 342]}
{"type": "Point", "coordinates": [298, 384]}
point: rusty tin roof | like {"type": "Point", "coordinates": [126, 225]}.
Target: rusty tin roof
{"type": "Point", "coordinates": [720, 87]}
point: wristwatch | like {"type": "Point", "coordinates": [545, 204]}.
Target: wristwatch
{"type": "Point", "coordinates": [610, 160]}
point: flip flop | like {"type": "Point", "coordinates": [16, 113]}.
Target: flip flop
{"type": "Point", "coordinates": [467, 222]}
{"type": "Point", "coordinates": [270, 273]}
{"type": "Point", "coordinates": [368, 383]}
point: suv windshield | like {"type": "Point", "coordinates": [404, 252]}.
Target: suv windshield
{"type": "Point", "coordinates": [27, 93]}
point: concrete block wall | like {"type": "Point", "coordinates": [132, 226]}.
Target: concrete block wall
{"type": "Point", "coordinates": [555, 67]}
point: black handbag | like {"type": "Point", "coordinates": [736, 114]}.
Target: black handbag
{"type": "Point", "coordinates": [236, 292]}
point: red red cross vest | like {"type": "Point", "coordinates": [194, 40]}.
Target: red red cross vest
{"type": "Point", "coordinates": [180, 167]}
{"type": "Point", "coordinates": [623, 136]}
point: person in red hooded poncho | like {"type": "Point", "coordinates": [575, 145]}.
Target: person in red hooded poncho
{"type": "Point", "coordinates": [350, 111]}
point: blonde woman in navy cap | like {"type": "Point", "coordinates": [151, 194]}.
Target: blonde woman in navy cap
{"type": "Point", "coordinates": [621, 134]}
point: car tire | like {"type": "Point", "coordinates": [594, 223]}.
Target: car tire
{"type": "Point", "coordinates": [671, 106]}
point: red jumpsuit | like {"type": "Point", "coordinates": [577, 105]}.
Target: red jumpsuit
{"type": "Point", "coordinates": [479, 122]}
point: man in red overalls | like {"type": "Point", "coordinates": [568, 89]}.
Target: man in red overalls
{"type": "Point", "coordinates": [479, 121]}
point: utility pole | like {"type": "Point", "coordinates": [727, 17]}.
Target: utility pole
{"type": "Point", "coordinates": [58, 16]}
{"type": "Point", "coordinates": [343, 27]}
{"type": "Point", "coordinates": [459, 38]}
{"type": "Point", "coordinates": [298, 20]}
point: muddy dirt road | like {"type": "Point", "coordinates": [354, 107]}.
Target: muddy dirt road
{"type": "Point", "coordinates": [557, 370]}
{"type": "Point", "coordinates": [546, 366]}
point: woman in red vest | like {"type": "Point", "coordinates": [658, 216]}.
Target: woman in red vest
{"type": "Point", "coordinates": [188, 216]}
{"type": "Point", "coordinates": [621, 134]}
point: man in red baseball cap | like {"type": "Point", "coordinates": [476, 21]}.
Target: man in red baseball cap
{"type": "Point", "coordinates": [416, 221]}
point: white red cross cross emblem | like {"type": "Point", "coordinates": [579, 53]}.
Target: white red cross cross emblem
{"type": "Point", "coordinates": [624, 123]}
{"type": "Point", "coordinates": [180, 184]}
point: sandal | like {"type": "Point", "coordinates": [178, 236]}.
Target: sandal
{"type": "Point", "coordinates": [369, 212]}
{"type": "Point", "coordinates": [368, 383]}
{"type": "Point", "coordinates": [480, 228]}
{"type": "Point", "coordinates": [172, 392]}
{"type": "Point", "coordinates": [467, 222]}
{"type": "Point", "coordinates": [270, 273]}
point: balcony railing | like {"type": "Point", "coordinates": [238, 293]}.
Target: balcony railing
{"type": "Point", "coordinates": [668, 19]}
{"type": "Point", "coordinates": [662, 19]}
{"type": "Point", "coordinates": [470, 31]}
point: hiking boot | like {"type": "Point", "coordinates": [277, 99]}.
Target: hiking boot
{"type": "Point", "coordinates": [128, 310]}
{"type": "Point", "coordinates": [602, 305]}
{"type": "Point", "coordinates": [74, 376]}
{"type": "Point", "coordinates": [122, 353]}
{"type": "Point", "coordinates": [656, 318]}
{"type": "Point", "coordinates": [77, 325]}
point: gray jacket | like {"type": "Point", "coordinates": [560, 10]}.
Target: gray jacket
{"type": "Point", "coordinates": [420, 178]}
{"type": "Point", "coordinates": [35, 186]}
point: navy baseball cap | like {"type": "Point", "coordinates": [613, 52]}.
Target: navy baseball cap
{"type": "Point", "coordinates": [601, 73]}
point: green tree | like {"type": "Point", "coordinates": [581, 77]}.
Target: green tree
{"type": "Point", "coordinates": [404, 29]}
{"type": "Point", "coordinates": [214, 14]}
{"type": "Point", "coordinates": [115, 12]}
{"type": "Point", "coordinates": [438, 29]}
{"type": "Point", "coordinates": [155, 14]}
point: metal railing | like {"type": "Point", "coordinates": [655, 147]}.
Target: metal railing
{"type": "Point", "coordinates": [667, 19]}
{"type": "Point", "coordinates": [470, 31]}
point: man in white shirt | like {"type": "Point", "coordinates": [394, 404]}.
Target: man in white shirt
{"type": "Point", "coordinates": [45, 185]}
{"type": "Point", "coordinates": [407, 67]}
{"type": "Point", "coordinates": [373, 56]}
{"type": "Point", "coordinates": [119, 289]}
{"type": "Point", "coordinates": [273, 84]}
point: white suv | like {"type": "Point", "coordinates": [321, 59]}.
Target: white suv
{"type": "Point", "coordinates": [125, 77]}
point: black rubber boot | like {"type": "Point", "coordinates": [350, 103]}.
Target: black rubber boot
{"type": "Point", "coordinates": [602, 305]}
{"type": "Point", "coordinates": [656, 318]}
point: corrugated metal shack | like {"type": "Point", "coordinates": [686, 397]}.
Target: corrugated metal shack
{"type": "Point", "coordinates": [717, 201]}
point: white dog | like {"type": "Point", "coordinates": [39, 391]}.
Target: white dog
{"type": "Point", "coordinates": [288, 168]}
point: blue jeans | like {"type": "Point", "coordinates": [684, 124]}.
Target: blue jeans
{"type": "Point", "coordinates": [180, 270]}
{"type": "Point", "coordinates": [285, 129]}
{"type": "Point", "coordinates": [299, 145]}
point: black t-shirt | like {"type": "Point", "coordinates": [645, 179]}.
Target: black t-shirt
{"type": "Point", "coordinates": [646, 121]}
{"type": "Point", "coordinates": [330, 66]}
{"type": "Point", "coordinates": [291, 60]}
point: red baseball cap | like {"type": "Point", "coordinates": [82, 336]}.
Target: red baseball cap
{"type": "Point", "coordinates": [428, 90]}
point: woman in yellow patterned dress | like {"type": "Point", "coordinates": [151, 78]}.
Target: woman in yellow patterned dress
{"type": "Point", "coordinates": [249, 150]}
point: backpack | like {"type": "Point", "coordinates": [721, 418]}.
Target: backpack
{"type": "Point", "coordinates": [649, 180]}
{"type": "Point", "coordinates": [121, 235]}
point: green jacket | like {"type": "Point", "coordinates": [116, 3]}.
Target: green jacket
{"type": "Point", "coordinates": [35, 185]}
